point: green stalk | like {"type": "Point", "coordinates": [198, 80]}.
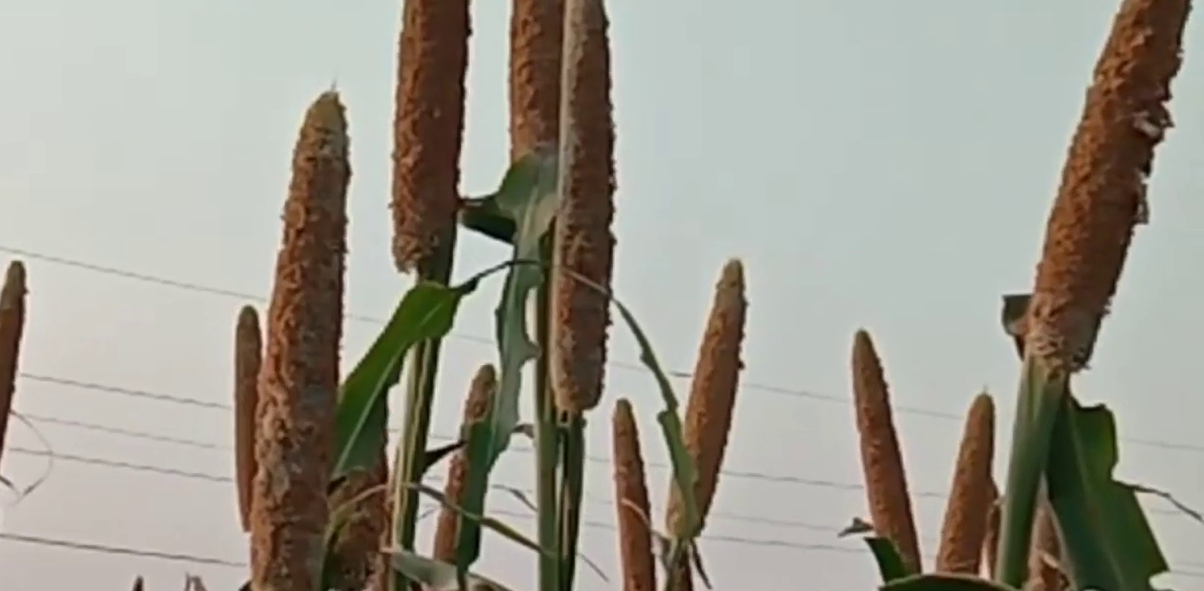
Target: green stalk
{"type": "Point", "coordinates": [572, 433]}
{"type": "Point", "coordinates": [1037, 406]}
{"type": "Point", "coordinates": [546, 436]}
{"type": "Point", "coordinates": [420, 393]}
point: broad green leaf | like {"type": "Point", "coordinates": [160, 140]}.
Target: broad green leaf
{"type": "Point", "coordinates": [527, 196]}
{"type": "Point", "coordinates": [435, 575]}
{"type": "Point", "coordinates": [890, 563]}
{"type": "Point", "coordinates": [426, 311]}
{"type": "Point", "coordinates": [944, 582]}
{"type": "Point", "coordinates": [1105, 535]}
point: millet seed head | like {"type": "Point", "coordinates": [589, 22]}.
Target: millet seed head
{"type": "Point", "coordinates": [428, 128]}
{"type": "Point", "coordinates": [712, 398]}
{"type": "Point", "coordinates": [881, 459]}
{"type": "Point", "coordinates": [299, 377]}
{"type": "Point", "coordinates": [12, 327]}
{"type": "Point", "coordinates": [536, 38]}
{"type": "Point", "coordinates": [1044, 574]}
{"type": "Point", "coordinates": [970, 498]}
{"type": "Point", "coordinates": [1102, 188]}
{"type": "Point", "coordinates": [584, 244]}
{"type": "Point", "coordinates": [990, 543]}
{"type": "Point", "coordinates": [476, 408]}
{"type": "Point", "coordinates": [633, 513]}
{"type": "Point", "coordinates": [248, 358]}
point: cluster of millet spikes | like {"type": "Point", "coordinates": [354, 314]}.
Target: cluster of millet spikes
{"type": "Point", "coordinates": [12, 327]}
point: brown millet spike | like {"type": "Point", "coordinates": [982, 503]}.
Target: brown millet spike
{"type": "Point", "coordinates": [584, 243]}
{"type": "Point", "coordinates": [476, 407]}
{"type": "Point", "coordinates": [1043, 576]}
{"type": "Point", "coordinates": [712, 400]}
{"type": "Point", "coordinates": [990, 542]}
{"type": "Point", "coordinates": [635, 539]}
{"type": "Point", "coordinates": [881, 460]}
{"type": "Point", "coordinates": [536, 34]}
{"type": "Point", "coordinates": [299, 380]}
{"type": "Point", "coordinates": [1103, 181]}
{"type": "Point", "coordinates": [428, 127]}
{"type": "Point", "coordinates": [248, 357]}
{"type": "Point", "coordinates": [965, 525]}
{"type": "Point", "coordinates": [12, 326]}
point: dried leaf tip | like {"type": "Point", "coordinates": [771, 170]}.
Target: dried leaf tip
{"type": "Point", "coordinates": [476, 407]}
{"type": "Point", "coordinates": [1102, 192]}
{"type": "Point", "coordinates": [965, 527]}
{"type": "Point", "coordinates": [881, 459]}
{"type": "Point", "coordinates": [632, 507]}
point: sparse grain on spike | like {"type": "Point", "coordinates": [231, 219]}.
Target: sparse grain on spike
{"type": "Point", "coordinates": [965, 525]}
{"type": "Point", "coordinates": [299, 378]}
{"type": "Point", "coordinates": [881, 459]}
{"type": "Point", "coordinates": [631, 502]}
{"type": "Point", "coordinates": [712, 399]}
{"type": "Point", "coordinates": [1102, 188]}
{"type": "Point", "coordinates": [536, 36]}
{"type": "Point", "coordinates": [476, 407]}
{"type": "Point", "coordinates": [12, 326]}
{"type": "Point", "coordinates": [428, 127]}
{"type": "Point", "coordinates": [584, 244]}
{"type": "Point", "coordinates": [248, 355]}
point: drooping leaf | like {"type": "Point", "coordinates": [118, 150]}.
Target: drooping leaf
{"type": "Point", "coordinates": [890, 563]}
{"type": "Point", "coordinates": [435, 575]}
{"type": "Point", "coordinates": [483, 216]}
{"type": "Point", "coordinates": [527, 196]}
{"type": "Point", "coordinates": [1105, 534]}
{"type": "Point", "coordinates": [426, 311]}
{"type": "Point", "coordinates": [943, 582]}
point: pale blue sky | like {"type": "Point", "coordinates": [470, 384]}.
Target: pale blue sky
{"type": "Point", "coordinates": [878, 164]}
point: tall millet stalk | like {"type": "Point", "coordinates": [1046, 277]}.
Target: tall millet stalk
{"type": "Point", "coordinates": [881, 459]}
{"type": "Point", "coordinates": [299, 380]}
{"type": "Point", "coordinates": [633, 513]}
{"type": "Point", "coordinates": [12, 326]}
{"type": "Point", "coordinates": [476, 407]}
{"type": "Point", "coordinates": [248, 358]}
{"type": "Point", "coordinates": [711, 404]}
{"type": "Point", "coordinates": [965, 526]}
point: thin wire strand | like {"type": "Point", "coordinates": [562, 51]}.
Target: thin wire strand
{"type": "Point", "coordinates": [768, 388]}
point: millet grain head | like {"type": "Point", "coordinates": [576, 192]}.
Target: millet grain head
{"type": "Point", "coordinates": [970, 498]}
{"type": "Point", "coordinates": [990, 542]}
{"type": "Point", "coordinates": [584, 244]}
{"type": "Point", "coordinates": [299, 378]}
{"type": "Point", "coordinates": [476, 407]}
{"type": "Point", "coordinates": [631, 485]}
{"type": "Point", "coordinates": [536, 39]}
{"type": "Point", "coordinates": [881, 460]}
{"type": "Point", "coordinates": [1103, 181]}
{"type": "Point", "coordinates": [711, 403]}
{"type": "Point", "coordinates": [248, 358]}
{"type": "Point", "coordinates": [1043, 576]}
{"type": "Point", "coordinates": [12, 326]}
{"type": "Point", "coordinates": [428, 127]}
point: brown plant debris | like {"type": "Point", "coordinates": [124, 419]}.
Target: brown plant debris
{"type": "Point", "coordinates": [711, 403]}
{"type": "Point", "coordinates": [584, 244]}
{"type": "Point", "coordinates": [881, 460]}
{"type": "Point", "coordinates": [1103, 185]}
{"type": "Point", "coordinates": [12, 326]}
{"type": "Point", "coordinates": [428, 127]}
{"type": "Point", "coordinates": [990, 543]}
{"type": "Point", "coordinates": [476, 407]}
{"type": "Point", "coordinates": [248, 357]}
{"type": "Point", "coordinates": [299, 380]}
{"type": "Point", "coordinates": [536, 36]}
{"type": "Point", "coordinates": [631, 502]}
{"type": "Point", "coordinates": [1044, 572]}
{"type": "Point", "coordinates": [970, 498]}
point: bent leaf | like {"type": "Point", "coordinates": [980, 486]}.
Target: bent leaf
{"type": "Point", "coordinates": [483, 216]}
{"type": "Point", "coordinates": [1105, 534]}
{"type": "Point", "coordinates": [944, 582]}
{"type": "Point", "coordinates": [435, 575]}
{"type": "Point", "coordinates": [426, 311]}
{"type": "Point", "coordinates": [890, 563]}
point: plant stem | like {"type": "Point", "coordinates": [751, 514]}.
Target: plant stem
{"type": "Point", "coordinates": [572, 433]}
{"type": "Point", "coordinates": [546, 438]}
{"type": "Point", "coordinates": [1037, 406]}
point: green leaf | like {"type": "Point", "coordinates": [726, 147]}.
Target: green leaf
{"type": "Point", "coordinates": [527, 196]}
{"type": "Point", "coordinates": [483, 216]}
{"type": "Point", "coordinates": [890, 563]}
{"type": "Point", "coordinates": [1106, 539]}
{"type": "Point", "coordinates": [426, 311]}
{"type": "Point", "coordinates": [435, 575]}
{"type": "Point", "coordinates": [944, 582]}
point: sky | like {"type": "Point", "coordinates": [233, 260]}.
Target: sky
{"type": "Point", "coordinates": [875, 164]}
